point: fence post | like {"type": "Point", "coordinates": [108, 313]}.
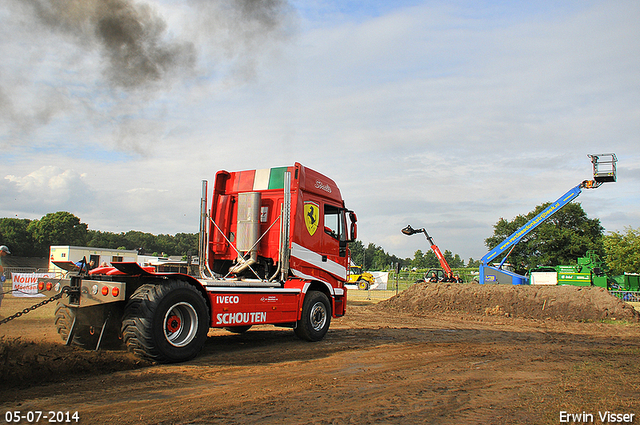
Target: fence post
{"type": "Point", "coordinates": [397, 274]}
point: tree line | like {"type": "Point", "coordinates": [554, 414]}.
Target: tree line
{"type": "Point", "coordinates": [560, 240]}
{"type": "Point", "coordinates": [32, 238]}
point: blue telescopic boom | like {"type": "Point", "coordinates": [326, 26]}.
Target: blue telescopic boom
{"type": "Point", "coordinates": [532, 224]}
{"type": "Point", "coordinates": [490, 274]}
{"type": "Point", "coordinates": [604, 170]}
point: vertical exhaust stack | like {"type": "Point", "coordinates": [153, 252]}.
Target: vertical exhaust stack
{"type": "Point", "coordinates": [285, 228]}
{"type": "Point", "coordinates": [284, 250]}
{"type": "Point", "coordinates": [248, 230]}
{"type": "Point", "coordinates": [203, 234]}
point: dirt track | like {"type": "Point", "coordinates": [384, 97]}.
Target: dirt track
{"type": "Point", "coordinates": [378, 364]}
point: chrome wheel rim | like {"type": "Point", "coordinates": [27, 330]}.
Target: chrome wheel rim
{"type": "Point", "coordinates": [318, 316]}
{"type": "Point", "coordinates": [180, 324]}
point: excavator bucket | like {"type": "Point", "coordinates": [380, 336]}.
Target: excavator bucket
{"type": "Point", "coordinates": [604, 167]}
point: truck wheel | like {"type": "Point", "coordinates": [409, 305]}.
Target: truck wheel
{"type": "Point", "coordinates": [166, 323]}
{"type": "Point", "coordinates": [316, 317]}
{"type": "Point", "coordinates": [238, 329]}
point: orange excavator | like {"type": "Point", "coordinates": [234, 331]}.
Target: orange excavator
{"type": "Point", "coordinates": [448, 273]}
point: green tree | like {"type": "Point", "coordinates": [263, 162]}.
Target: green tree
{"type": "Point", "coordinates": [98, 239]}
{"type": "Point", "coordinates": [369, 255]}
{"type": "Point", "coordinates": [622, 251]}
{"type": "Point", "coordinates": [424, 260]}
{"type": "Point", "coordinates": [561, 239]}
{"type": "Point", "coordinates": [59, 228]}
{"type": "Point", "coordinates": [15, 234]}
{"type": "Point", "coordinates": [380, 260]}
{"type": "Point", "coordinates": [418, 261]}
{"type": "Point", "coordinates": [372, 257]}
{"type": "Point", "coordinates": [431, 259]}
{"type": "Point", "coordinates": [356, 249]}
{"type": "Point", "coordinates": [165, 244]}
{"type": "Point", "coordinates": [453, 260]}
{"type": "Point", "coordinates": [140, 240]}
{"type": "Point", "coordinates": [473, 263]}
{"type": "Point", "coordinates": [185, 243]}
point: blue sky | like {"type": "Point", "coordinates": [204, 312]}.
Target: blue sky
{"type": "Point", "coordinates": [443, 115]}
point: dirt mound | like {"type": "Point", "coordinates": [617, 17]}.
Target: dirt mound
{"type": "Point", "coordinates": [26, 363]}
{"type": "Point", "coordinates": [570, 303]}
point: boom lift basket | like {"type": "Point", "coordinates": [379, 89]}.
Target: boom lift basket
{"type": "Point", "coordinates": [604, 167]}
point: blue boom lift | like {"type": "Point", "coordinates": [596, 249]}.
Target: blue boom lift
{"type": "Point", "coordinates": [604, 170]}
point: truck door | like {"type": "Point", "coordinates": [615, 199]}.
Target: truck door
{"type": "Point", "coordinates": [335, 227]}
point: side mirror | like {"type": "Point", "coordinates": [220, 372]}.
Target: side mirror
{"type": "Point", "coordinates": [353, 227]}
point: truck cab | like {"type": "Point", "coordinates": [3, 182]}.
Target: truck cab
{"type": "Point", "coordinates": [254, 218]}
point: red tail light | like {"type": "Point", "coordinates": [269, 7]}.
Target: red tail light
{"type": "Point", "coordinates": [115, 292]}
{"type": "Point", "coordinates": [105, 290]}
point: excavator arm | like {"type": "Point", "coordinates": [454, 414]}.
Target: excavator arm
{"type": "Point", "coordinates": [443, 262]}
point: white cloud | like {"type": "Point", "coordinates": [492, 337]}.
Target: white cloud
{"type": "Point", "coordinates": [45, 189]}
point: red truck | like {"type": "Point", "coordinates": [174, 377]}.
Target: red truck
{"type": "Point", "coordinates": [273, 250]}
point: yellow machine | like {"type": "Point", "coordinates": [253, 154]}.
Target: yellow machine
{"type": "Point", "coordinates": [363, 279]}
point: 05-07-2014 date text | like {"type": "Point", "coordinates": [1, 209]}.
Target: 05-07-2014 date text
{"type": "Point", "coordinates": [35, 416]}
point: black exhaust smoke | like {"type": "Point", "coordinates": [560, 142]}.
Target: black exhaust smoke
{"type": "Point", "coordinates": [135, 54]}
{"type": "Point", "coordinates": [131, 37]}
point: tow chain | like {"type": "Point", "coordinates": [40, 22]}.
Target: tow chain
{"type": "Point", "coordinates": [33, 307]}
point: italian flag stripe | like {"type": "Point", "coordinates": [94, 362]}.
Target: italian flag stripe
{"type": "Point", "coordinates": [276, 179]}
{"type": "Point", "coordinates": [269, 178]}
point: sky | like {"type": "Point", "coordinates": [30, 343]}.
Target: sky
{"type": "Point", "coordinates": [445, 115]}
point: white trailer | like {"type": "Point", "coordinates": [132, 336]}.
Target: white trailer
{"type": "Point", "coordinates": [97, 255]}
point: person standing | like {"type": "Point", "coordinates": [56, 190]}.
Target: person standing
{"type": "Point", "coordinates": [3, 251]}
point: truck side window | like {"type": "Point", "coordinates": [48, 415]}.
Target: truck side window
{"type": "Point", "coordinates": [334, 222]}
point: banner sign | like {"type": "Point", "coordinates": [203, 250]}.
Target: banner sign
{"type": "Point", "coordinates": [26, 284]}
{"type": "Point", "coordinates": [382, 278]}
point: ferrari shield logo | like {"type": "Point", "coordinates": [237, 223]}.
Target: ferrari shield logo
{"type": "Point", "coordinates": [311, 216]}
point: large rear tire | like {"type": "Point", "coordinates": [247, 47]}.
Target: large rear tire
{"type": "Point", "coordinates": [316, 317]}
{"type": "Point", "coordinates": [166, 323]}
